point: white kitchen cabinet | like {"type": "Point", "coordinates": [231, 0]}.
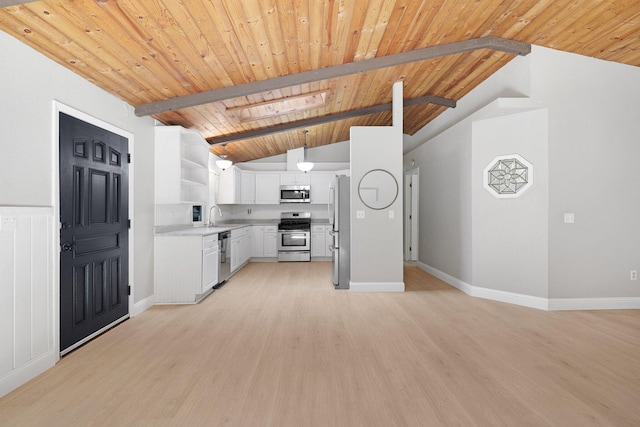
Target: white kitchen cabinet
{"type": "Point", "coordinates": [181, 166]}
{"type": "Point", "coordinates": [230, 186]}
{"type": "Point", "coordinates": [241, 247]}
{"type": "Point", "coordinates": [320, 182]}
{"type": "Point", "coordinates": [247, 187]}
{"type": "Point", "coordinates": [321, 239]}
{"type": "Point", "coordinates": [294, 178]}
{"type": "Point", "coordinates": [258, 241]}
{"type": "Point", "coordinates": [185, 268]}
{"type": "Point", "coordinates": [267, 188]}
{"type": "Point", "coordinates": [265, 241]}
{"type": "Point", "coordinates": [235, 246]}
{"type": "Point", "coordinates": [247, 245]}
{"type": "Point", "coordinates": [270, 243]}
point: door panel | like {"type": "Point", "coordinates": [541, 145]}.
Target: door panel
{"type": "Point", "coordinates": [94, 230]}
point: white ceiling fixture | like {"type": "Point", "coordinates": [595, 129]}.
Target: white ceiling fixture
{"type": "Point", "coordinates": [304, 165]}
{"type": "Point", "coordinates": [223, 163]}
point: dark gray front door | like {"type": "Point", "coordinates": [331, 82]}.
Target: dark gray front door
{"type": "Point", "coordinates": [94, 230]}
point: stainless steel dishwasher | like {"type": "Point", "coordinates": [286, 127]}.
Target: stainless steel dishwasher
{"type": "Point", "coordinates": [224, 266]}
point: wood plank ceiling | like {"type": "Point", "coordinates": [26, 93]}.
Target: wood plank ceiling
{"type": "Point", "coordinates": [144, 51]}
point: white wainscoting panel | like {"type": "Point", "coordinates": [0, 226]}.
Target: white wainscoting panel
{"type": "Point", "coordinates": [26, 294]}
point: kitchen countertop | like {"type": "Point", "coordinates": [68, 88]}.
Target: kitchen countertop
{"type": "Point", "coordinates": [196, 231]}
{"type": "Point", "coordinates": [183, 230]}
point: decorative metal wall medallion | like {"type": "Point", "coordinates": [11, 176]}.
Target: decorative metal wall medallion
{"type": "Point", "coordinates": [508, 176]}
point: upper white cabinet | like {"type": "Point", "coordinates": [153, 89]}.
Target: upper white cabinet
{"type": "Point", "coordinates": [294, 178]}
{"type": "Point", "coordinates": [267, 188]}
{"type": "Point", "coordinates": [181, 166]}
{"type": "Point", "coordinates": [248, 187]}
{"type": "Point", "coordinates": [320, 182]}
{"type": "Point", "coordinates": [230, 186]}
{"type": "Point", "coordinates": [237, 186]}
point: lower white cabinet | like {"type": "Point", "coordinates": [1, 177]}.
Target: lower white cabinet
{"type": "Point", "coordinates": [240, 246]}
{"type": "Point", "coordinates": [258, 241]}
{"type": "Point", "coordinates": [265, 241]}
{"type": "Point", "coordinates": [320, 240]}
{"type": "Point", "coordinates": [270, 243]}
{"type": "Point", "coordinates": [186, 268]}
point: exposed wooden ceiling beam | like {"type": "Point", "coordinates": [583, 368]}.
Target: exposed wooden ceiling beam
{"type": "Point", "coordinates": [330, 118]}
{"type": "Point", "coordinates": [7, 3]}
{"type": "Point", "coordinates": [180, 102]}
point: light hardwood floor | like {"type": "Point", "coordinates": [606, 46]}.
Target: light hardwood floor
{"type": "Point", "coordinates": [278, 346]}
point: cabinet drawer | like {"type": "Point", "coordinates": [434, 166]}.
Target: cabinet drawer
{"type": "Point", "coordinates": [270, 228]}
{"type": "Point", "coordinates": [318, 228]}
{"type": "Point", "coordinates": [210, 242]}
{"type": "Point", "coordinates": [237, 232]}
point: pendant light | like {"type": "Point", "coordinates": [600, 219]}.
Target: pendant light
{"type": "Point", "coordinates": [223, 163]}
{"type": "Point", "coordinates": [305, 166]}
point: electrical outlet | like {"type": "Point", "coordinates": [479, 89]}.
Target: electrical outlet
{"type": "Point", "coordinates": [634, 275]}
{"type": "Point", "coordinates": [359, 214]}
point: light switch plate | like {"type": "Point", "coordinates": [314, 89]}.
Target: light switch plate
{"type": "Point", "coordinates": [360, 214]}
{"type": "Point", "coordinates": [392, 214]}
{"type": "Point", "coordinates": [569, 218]}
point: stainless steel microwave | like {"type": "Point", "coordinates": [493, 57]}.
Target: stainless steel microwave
{"type": "Point", "coordinates": [295, 194]}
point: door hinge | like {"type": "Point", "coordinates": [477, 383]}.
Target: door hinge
{"type": "Point", "coordinates": [128, 157]}
{"type": "Point", "coordinates": [129, 290]}
{"type": "Point", "coordinates": [410, 248]}
{"type": "Point", "coordinates": [128, 223]}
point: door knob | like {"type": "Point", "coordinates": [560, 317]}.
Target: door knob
{"type": "Point", "coordinates": [66, 247]}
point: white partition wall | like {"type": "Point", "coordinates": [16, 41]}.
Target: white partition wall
{"type": "Point", "coordinates": [27, 317]}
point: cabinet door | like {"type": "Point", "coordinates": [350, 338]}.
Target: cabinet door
{"type": "Point", "coordinates": [248, 188]}
{"type": "Point", "coordinates": [258, 239]}
{"type": "Point", "coordinates": [271, 241]}
{"type": "Point", "coordinates": [268, 188]}
{"type": "Point", "coordinates": [246, 246]}
{"type": "Point", "coordinates": [320, 182]}
{"type": "Point", "coordinates": [318, 244]}
{"type": "Point", "coordinates": [235, 253]}
{"type": "Point", "coordinates": [229, 187]}
{"type": "Point", "coordinates": [209, 269]}
{"type": "Point", "coordinates": [329, 240]}
{"type": "Point", "coordinates": [294, 178]}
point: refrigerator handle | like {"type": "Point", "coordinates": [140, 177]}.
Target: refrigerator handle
{"type": "Point", "coordinates": [332, 196]}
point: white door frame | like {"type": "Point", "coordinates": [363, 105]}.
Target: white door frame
{"type": "Point", "coordinates": [58, 108]}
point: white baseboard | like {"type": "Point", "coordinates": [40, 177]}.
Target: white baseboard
{"type": "Point", "coordinates": [26, 373]}
{"type": "Point", "coordinates": [621, 303]}
{"type": "Point", "coordinates": [142, 306]}
{"type": "Point", "coordinates": [376, 286]}
{"type": "Point", "coordinates": [551, 304]}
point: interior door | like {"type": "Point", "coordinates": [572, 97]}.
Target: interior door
{"type": "Point", "coordinates": [93, 230]}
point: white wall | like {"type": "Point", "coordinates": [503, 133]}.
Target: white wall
{"type": "Point", "coordinates": [376, 239]}
{"type": "Point", "coordinates": [444, 222]}
{"type": "Point", "coordinates": [592, 151]}
{"type": "Point", "coordinates": [510, 235]}
{"type": "Point", "coordinates": [30, 83]}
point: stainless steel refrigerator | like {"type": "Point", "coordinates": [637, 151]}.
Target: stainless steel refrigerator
{"type": "Point", "coordinates": [339, 207]}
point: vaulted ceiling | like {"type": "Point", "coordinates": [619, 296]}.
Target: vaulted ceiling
{"type": "Point", "coordinates": [259, 72]}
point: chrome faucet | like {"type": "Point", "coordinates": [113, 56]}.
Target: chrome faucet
{"type": "Point", "coordinates": [211, 217]}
